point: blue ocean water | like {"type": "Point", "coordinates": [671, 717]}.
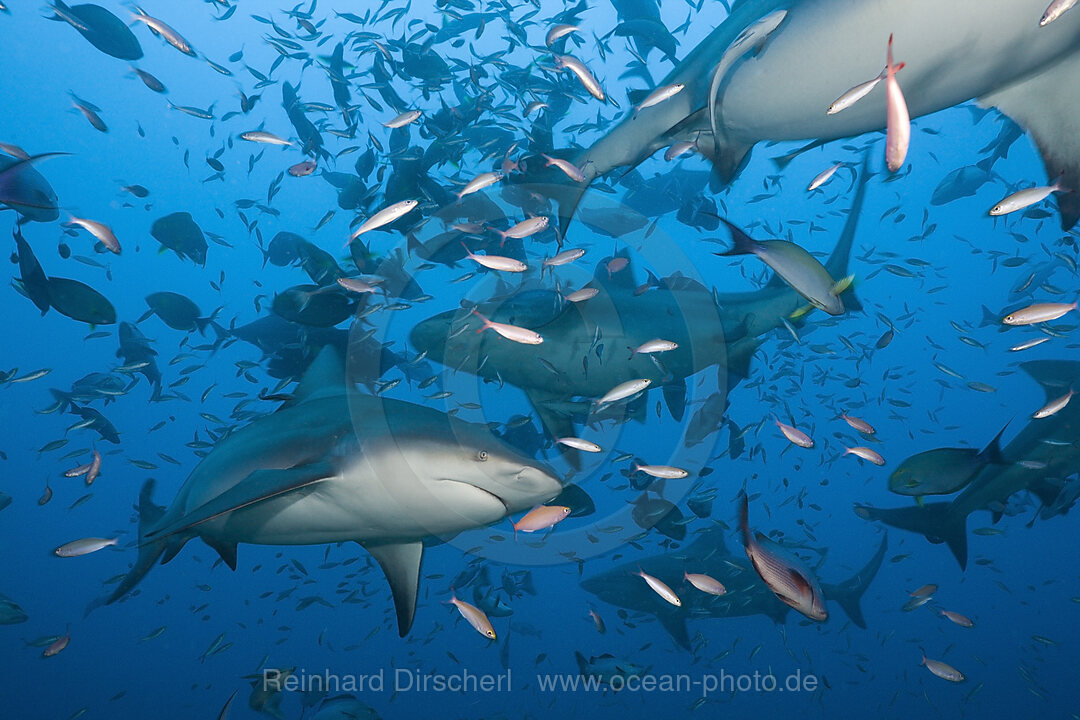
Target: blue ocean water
{"type": "Point", "coordinates": [919, 361]}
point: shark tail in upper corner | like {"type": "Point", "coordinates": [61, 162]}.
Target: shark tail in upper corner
{"type": "Point", "coordinates": [848, 594]}
{"type": "Point", "coordinates": [934, 521]}
{"type": "Point", "coordinates": [149, 552]}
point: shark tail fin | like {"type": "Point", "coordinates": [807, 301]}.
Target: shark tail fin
{"type": "Point", "coordinates": [933, 520]}
{"type": "Point", "coordinates": [149, 552]}
{"type": "Point", "coordinates": [848, 594]}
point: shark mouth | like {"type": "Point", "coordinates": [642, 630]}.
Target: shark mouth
{"type": "Point", "coordinates": [480, 489]}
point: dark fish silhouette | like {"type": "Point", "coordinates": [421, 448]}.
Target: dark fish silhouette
{"type": "Point", "coordinates": [101, 28]}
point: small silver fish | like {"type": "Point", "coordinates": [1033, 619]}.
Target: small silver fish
{"type": "Point", "coordinates": [86, 546]}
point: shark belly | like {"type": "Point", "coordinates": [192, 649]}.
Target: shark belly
{"type": "Point", "coordinates": [378, 497]}
{"type": "Point", "coordinates": [825, 47]}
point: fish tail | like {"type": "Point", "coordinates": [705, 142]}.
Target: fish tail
{"type": "Point", "coordinates": [743, 244]}
{"type": "Point", "coordinates": [149, 552]}
{"type": "Point", "coordinates": [487, 323]}
{"type": "Point", "coordinates": [848, 594]}
{"type": "Point", "coordinates": [933, 520]}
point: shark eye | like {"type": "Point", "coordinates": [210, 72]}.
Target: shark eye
{"type": "Point", "coordinates": [482, 455]}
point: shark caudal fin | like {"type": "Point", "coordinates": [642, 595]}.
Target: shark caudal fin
{"type": "Point", "coordinates": [935, 521]}
{"type": "Point", "coordinates": [848, 593]}
{"type": "Point", "coordinates": [149, 552]}
{"type": "Point", "coordinates": [1038, 104]}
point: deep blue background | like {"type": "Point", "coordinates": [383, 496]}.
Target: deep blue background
{"type": "Point", "coordinates": [1023, 589]}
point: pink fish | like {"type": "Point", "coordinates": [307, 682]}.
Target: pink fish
{"type": "Point", "coordinates": [898, 122]}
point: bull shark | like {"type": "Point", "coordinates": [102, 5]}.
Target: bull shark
{"type": "Point", "coordinates": [772, 67]}
{"type": "Point", "coordinates": [710, 328]}
{"type": "Point", "coordinates": [746, 593]}
{"type": "Point", "coordinates": [334, 464]}
{"type": "Point", "coordinates": [1045, 449]}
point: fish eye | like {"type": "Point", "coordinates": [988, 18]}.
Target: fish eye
{"type": "Point", "coordinates": [482, 455]}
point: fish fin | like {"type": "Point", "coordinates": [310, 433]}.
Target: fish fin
{"type": "Point", "coordinates": [1055, 376]}
{"type": "Point", "coordinates": [555, 423]}
{"type": "Point", "coordinates": [852, 302]}
{"type": "Point", "coordinates": [582, 663]}
{"type": "Point", "coordinates": [326, 370]}
{"type": "Point", "coordinates": [1038, 104]}
{"type": "Point", "coordinates": [257, 487]}
{"type": "Point", "coordinates": [675, 399]}
{"type": "Point", "coordinates": [675, 624]}
{"type": "Point", "coordinates": [400, 563]}
{"type": "Point", "coordinates": [800, 581]}
{"type": "Point", "coordinates": [932, 520]}
{"type": "Point", "coordinates": [992, 452]}
{"type": "Point", "coordinates": [575, 498]}
{"type": "Point", "coordinates": [739, 356]}
{"type": "Point", "coordinates": [225, 550]}
{"type": "Point", "coordinates": [1047, 492]}
{"type": "Point", "coordinates": [742, 244]}
{"type": "Point", "coordinates": [149, 516]}
{"type": "Point", "coordinates": [15, 166]}
{"type": "Point", "coordinates": [783, 161]}
{"type": "Point", "coordinates": [837, 264]}
{"type": "Point", "coordinates": [744, 519]}
{"type": "Point", "coordinates": [635, 97]}
{"type": "Point", "coordinates": [848, 593]}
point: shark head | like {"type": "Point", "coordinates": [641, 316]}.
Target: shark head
{"type": "Point", "coordinates": [432, 335]}
{"type": "Point", "coordinates": [424, 473]}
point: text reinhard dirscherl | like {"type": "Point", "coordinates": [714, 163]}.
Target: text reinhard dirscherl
{"type": "Point", "coordinates": [405, 680]}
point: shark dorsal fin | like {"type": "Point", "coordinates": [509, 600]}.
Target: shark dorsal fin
{"type": "Point", "coordinates": [400, 562]}
{"type": "Point", "coordinates": [326, 370]}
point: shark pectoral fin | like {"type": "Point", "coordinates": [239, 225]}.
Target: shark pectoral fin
{"type": "Point", "coordinates": [400, 563]}
{"type": "Point", "coordinates": [675, 399]}
{"type": "Point", "coordinates": [675, 623]}
{"type": "Point", "coordinates": [1044, 106]}
{"type": "Point", "coordinates": [257, 487]}
{"type": "Point", "coordinates": [727, 156]}
{"type": "Point", "coordinates": [225, 550]}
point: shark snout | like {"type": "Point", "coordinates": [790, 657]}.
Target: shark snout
{"type": "Point", "coordinates": [531, 485]}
